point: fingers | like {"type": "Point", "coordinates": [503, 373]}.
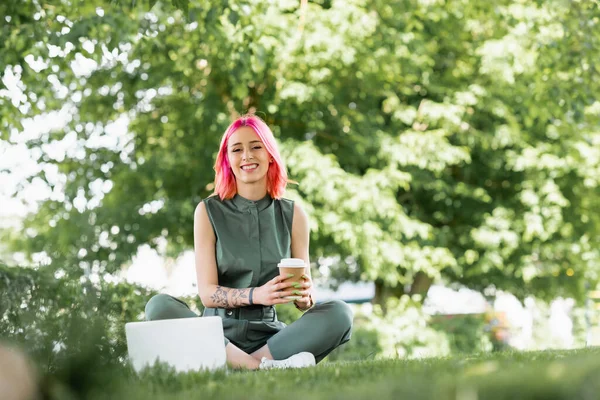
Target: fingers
{"type": "Point", "coordinates": [307, 281]}
{"type": "Point", "coordinates": [303, 303]}
{"type": "Point", "coordinates": [277, 279]}
{"type": "Point", "coordinates": [280, 298]}
{"type": "Point", "coordinates": [280, 278]}
{"type": "Point", "coordinates": [286, 285]}
{"type": "Point", "coordinates": [306, 285]}
{"type": "Point", "coordinates": [294, 292]}
{"type": "Point", "coordinates": [304, 299]}
{"type": "Point", "coordinates": [278, 288]}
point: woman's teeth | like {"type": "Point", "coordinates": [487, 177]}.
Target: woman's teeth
{"type": "Point", "coordinates": [249, 167]}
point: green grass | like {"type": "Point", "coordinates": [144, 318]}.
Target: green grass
{"type": "Point", "coordinates": [509, 375]}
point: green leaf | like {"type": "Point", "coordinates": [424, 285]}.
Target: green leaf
{"type": "Point", "coordinates": [233, 17]}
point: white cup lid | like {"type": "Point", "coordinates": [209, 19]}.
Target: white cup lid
{"type": "Point", "coordinates": [291, 263]}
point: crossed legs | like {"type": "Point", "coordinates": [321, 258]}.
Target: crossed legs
{"type": "Point", "coordinates": [320, 330]}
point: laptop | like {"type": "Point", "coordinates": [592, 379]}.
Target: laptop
{"type": "Point", "coordinates": [187, 344]}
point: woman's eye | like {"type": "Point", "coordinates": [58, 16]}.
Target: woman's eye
{"type": "Point", "coordinates": [235, 150]}
{"type": "Point", "coordinates": [257, 147]}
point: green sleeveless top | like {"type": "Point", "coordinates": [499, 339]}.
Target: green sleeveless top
{"type": "Point", "coordinates": [251, 238]}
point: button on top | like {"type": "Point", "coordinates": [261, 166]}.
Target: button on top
{"type": "Point", "coordinates": [229, 312]}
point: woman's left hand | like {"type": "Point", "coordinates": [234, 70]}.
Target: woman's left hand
{"type": "Point", "coordinates": [306, 301]}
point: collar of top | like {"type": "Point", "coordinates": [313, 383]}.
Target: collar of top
{"type": "Point", "coordinates": [244, 204]}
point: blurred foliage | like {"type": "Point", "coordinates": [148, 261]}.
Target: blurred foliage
{"type": "Point", "coordinates": [550, 329]}
{"type": "Point", "coordinates": [454, 140]}
{"type": "Point", "coordinates": [581, 325]}
{"type": "Point", "coordinates": [467, 333]}
{"type": "Point", "coordinates": [56, 319]}
{"type": "Point", "coordinates": [403, 331]}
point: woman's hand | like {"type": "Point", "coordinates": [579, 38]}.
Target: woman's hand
{"type": "Point", "coordinates": [274, 291]}
{"type": "Point", "coordinates": [306, 301]}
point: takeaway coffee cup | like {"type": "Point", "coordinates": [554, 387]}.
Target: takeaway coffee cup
{"type": "Point", "coordinates": [293, 267]}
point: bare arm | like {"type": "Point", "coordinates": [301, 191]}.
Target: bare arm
{"type": "Point", "coordinates": [300, 236]}
{"type": "Point", "coordinates": [300, 242]}
{"type": "Point", "coordinates": [211, 293]}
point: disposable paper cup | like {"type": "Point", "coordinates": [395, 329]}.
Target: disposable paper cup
{"type": "Point", "coordinates": [295, 267]}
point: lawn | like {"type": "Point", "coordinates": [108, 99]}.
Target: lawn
{"type": "Point", "coordinates": [508, 375]}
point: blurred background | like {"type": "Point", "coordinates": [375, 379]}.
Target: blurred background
{"type": "Point", "coordinates": [447, 153]}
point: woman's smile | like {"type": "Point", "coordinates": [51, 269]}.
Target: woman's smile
{"type": "Point", "coordinates": [249, 167]}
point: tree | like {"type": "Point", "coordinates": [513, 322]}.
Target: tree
{"type": "Point", "coordinates": [431, 140]}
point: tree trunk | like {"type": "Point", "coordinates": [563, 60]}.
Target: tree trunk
{"type": "Point", "coordinates": [383, 292]}
{"type": "Point", "coordinates": [421, 284]}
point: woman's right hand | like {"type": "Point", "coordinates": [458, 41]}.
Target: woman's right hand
{"type": "Point", "coordinates": [272, 292]}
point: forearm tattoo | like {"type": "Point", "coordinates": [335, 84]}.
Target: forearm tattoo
{"type": "Point", "coordinates": [225, 297]}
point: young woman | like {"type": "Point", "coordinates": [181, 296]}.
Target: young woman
{"type": "Point", "coordinates": [241, 233]}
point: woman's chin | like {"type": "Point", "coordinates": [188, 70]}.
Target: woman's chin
{"type": "Point", "coordinates": [253, 180]}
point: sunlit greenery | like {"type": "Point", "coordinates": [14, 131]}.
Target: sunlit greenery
{"type": "Point", "coordinates": [433, 141]}
{"type": "Point", "coordinates": [455, 140]}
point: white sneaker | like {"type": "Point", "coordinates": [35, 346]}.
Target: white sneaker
{"type": "Point", "coordinates": [300, 360]}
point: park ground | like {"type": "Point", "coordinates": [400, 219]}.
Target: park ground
{"type": "Point", "coordinates": [573, 374]}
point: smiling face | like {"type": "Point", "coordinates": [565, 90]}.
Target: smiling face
{"type": "Point", "coordinates": [248, 156]}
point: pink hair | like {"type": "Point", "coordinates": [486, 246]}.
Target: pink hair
{"type": "Point", "coordinates": [277, 179]}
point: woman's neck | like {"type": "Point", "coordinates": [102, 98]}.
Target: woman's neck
{"type": "Point", "coordinates": [252, 192]}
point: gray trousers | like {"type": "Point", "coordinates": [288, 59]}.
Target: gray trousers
{"type": "Point", "coordinates": [319, 330]}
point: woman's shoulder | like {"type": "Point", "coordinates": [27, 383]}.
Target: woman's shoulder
{"type": "Point", "coordinates": [287, 202]}
{"type": "Point", "coordinates": [291, 203]}
{"type": "Point", "coordinates": [205, 205]}
{"type": "Point", "coordinates": [287, 205]}
{"type": "Point", "coordinates": [292, 208]}
{"type": "Point", "coordinates": [213, 198]}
